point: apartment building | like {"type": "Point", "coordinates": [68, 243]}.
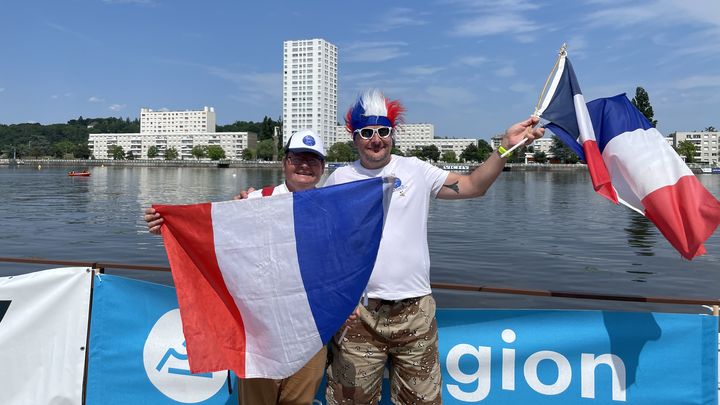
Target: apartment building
{"type": "Point", "coordinates": [707, 145]}
{"type": "Point", "coordinates": [181, 130]}
{"type": "Point", "coordinates": [177, 122]}
{"type": "Point", "coordinates": [310, 69]}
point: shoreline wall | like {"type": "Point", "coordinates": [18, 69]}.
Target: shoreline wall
{"type": "Point", "coordinates": [81, 163]}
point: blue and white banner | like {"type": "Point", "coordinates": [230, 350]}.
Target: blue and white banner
{"type": "Point", "coordinates": [576, 357]}
{"type": "Point", "coordinates": [137, 349]}
{"type": "Point", "coordinates": [43, 336]}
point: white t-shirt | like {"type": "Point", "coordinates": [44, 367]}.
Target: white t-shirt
{"type": "Point", "coordinates": [402, 268]}
{"type": "Point", "coordinates": [281, 189]}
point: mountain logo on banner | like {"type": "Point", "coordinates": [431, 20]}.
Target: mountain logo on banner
{"type": "Point", "coordinates": [166, 365]}
{"type": "Point", "coordinates": [4, 305]}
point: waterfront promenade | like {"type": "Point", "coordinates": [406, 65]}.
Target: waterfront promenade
{"type": "Point", "coordinates": [259, 164]}
{"type": "Point", "coordinates": [79, 163]}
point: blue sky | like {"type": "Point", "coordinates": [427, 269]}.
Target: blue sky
{"type": "Point", "coordinates": [470, 67]}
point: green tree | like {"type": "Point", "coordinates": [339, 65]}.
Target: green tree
{"type": "Point", "coordinates": [484, 150]}
{"type": "Point", "coordinates": [62, 149]}
{"type": "Point", "coordinates": [562, 152]}
{"type": "Point", "coordinates": [470, 153]}
{"type": "Point", "coordinates": [417, 152]}
{"type": "Point", "coordinates": [449, 156]}
{"type": "Point", "coordinates": [215, 152]}
{"type": "Point", "coordinates": [540, 157]}
{"type": "Point", "coordinates": [340, 152]}
{"type": "Point", "coordinates": [642, 102]}
{"type": "Point", "coordinates": [152, 152]}
{"type": "Point", "coordinates": [130, 155]}
{"type": "Point", "coordinates": [116, 152]}
{"type": "Point", "coordinates": [265, 149]}
{"type": "Point", "coordinates": [396, 151]}
{"type": "Point", "coordinates": [171, 154]}
{"type": "Point", "coordinates": [247, 154]}
{"type": "Point", "coordinates": [199, 151]}
{"type": "Point", "coordinates": [687, 149]}
{"type": "Point", "coordinates": [82, 151]}
{"type": "Point", "coordinates": [431, 152]}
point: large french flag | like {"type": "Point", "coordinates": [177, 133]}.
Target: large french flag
{"type": "Point", "coordinates": [649, 176]}
{"type": "Point", "coordinates": [566, 110]}
{"type": "Point", "coordinates": [263, 283]}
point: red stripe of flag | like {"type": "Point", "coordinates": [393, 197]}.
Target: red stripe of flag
{"type": "Point", "coordinates": [212, 324]}
{"type": "Point", "coordinates": [686, 214]}
{"type": "Point", "coordinates": [599, 175]}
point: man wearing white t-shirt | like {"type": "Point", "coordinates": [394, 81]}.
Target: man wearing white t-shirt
{"type": "Point", "coordinates": [303, 166]}
{"type": "Point", "coordinates": [398, 322]}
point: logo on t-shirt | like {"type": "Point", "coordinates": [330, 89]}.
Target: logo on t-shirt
{"type": "Point", "coordinates": [309, 140]}
{"type": "Point", "coordinates": [399, 186]}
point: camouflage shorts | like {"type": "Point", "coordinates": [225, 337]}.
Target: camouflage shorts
{"type": "Point", "coordinates": [401, 333]}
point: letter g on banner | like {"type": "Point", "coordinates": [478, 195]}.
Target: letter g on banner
{"type": "Point", "coordinates": [166, 365]}
{"type": "Point", "coordinates": [480, 363]}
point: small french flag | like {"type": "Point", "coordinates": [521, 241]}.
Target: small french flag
{"type": "Point", "coordinates": [263, 283]}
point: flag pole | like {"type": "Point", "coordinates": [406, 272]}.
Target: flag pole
{"type": "Point", "coordinates": [537, 113]}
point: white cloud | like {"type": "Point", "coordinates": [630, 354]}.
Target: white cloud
{"type": "Point", "coordinates": [446, 96]}
{"type": "Point", "coordinates": [698, 81]}
{"type": "Point", "coordinates": [473, 61]}
{"type": "Point", "coordinates": [94, 99]}
{"type": "Point", "coordinates": [118, 107]}
{"type": "Point", "coordinates": [394, 18]}
{"type": "Point", "coordinates": [494, 5]}
{"type": "Point", "coordinates": [361, 76]}
{"type": "Point", "coordinates": [521, 87]}
{"type": "Point", "coordinates": [138, 2]}
{"type": "Point", "coordinates": [502, 23]}
{"type": "Point", "coordinates": [64, 95]}
{"type": "Point", "coordinates": [255, 87]}
{"type": "Point", "coordinates": [373, 52]}
{"type": "Point", "coordinates": [657, 13]}
{"type": "Point", "coordinates": [422, 70]}
{"type": "Point", "coordinates": [506, 71]}
{"type": "Point", "coordinates": [76, 34]}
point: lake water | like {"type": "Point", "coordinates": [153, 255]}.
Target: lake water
{"type": "Point", "coordinates": [536, 229]}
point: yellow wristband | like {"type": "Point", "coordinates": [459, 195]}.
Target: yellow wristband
{"type": "Point", "coordinates": [502, 151]}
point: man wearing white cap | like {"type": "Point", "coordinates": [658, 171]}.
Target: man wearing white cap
{"type": "Point", "coordinates": [303, 165]}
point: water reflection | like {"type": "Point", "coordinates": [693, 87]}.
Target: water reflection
{"type": "Point", "coordinates": [641, 234]}
{"type": "Point", "coordinates": [539, 230]}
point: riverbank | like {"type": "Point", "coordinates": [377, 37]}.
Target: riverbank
{"type": "Point", "coordinates": [255, 164]}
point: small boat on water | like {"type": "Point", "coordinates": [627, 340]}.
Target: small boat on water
{"type": "Point", "coordinates": [710, 170]}
{"type": "Point", "coordinates": [83, 173]}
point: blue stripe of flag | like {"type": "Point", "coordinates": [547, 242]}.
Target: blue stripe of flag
{"type": "Point", "coordinates": [613, 116]}
{"type": "Point", "coordinates": [337, 233]}
{"type": "Point", "coordinates": [561, 109]}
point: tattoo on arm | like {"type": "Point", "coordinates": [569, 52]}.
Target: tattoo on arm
{"type": "Point", "coordinates": [454, 187]}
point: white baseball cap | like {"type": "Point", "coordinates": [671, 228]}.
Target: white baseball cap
{"type": "Point", "coordinates": [306, 141]}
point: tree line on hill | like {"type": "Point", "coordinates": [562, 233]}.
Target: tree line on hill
{"type": "Point", "coordinates": [70, 140]}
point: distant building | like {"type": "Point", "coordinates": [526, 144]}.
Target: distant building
{"type": "Point", "coordinates": [177, 122]}
{"type": "Point", "coordinates": [310, 88]}
{"type": "Point", "coordinates": [539, 145]}
{"type": "Point", "coordinates": [707, 145]}
{"type": "Point", "coordinates": [415, 136]}
{"type": "Point", "coordinates": [181, 130]}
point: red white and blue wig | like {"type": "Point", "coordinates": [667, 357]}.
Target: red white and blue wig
{"type": "Point", "coordinates": [371, 108]}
